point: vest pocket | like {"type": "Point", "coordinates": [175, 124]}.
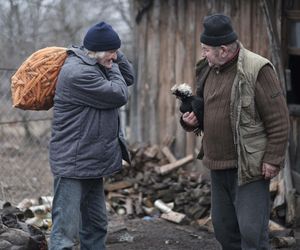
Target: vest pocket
{"type": "Point", "coordinates": [254, 156]}
{"type": "Point", "coordinates": [246, 110]}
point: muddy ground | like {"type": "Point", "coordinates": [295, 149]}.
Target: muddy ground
{"type": "Point", "coordinates": [158, 234]}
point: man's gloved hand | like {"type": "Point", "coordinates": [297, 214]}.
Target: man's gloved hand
{"type": "Point", "coordinates": [125, 67]}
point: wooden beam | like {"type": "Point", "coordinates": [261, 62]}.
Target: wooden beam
{"type": "Point", "coordinates": [173, 216]}
{"type": "Point", "coordinates": [289, 192]}
{"type": "Point", "coordinates": [167, 152]}
{"type": "Point", "coordinates": [296, 180]}
{"type": "Point", "coordinates": [294, 109]}
{"type": "Point", "coordinates": [168, 213]}
{"type": "Point", "coordinates": [165, 169]}
{"type": "Point", "coordinates": [117, 185]}
{"type": "Point", "coordinates": [270, 18]}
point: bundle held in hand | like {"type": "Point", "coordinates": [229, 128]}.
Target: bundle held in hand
{"type": "Point", "coordinates": [33, 85]}
{"type": "Point", "coordinates": [189, 102]}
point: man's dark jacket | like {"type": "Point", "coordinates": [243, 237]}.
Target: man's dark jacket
{"type": "Point", "coordinates": [86, 140]}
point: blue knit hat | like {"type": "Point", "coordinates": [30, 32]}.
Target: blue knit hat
{"type": "Point", "coordinates": [101, 37]}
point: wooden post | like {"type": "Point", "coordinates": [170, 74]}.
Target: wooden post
{"type": "Point", "coordinates": [167, 152]}
{"type": "Point", "coordinates": [267, 9]}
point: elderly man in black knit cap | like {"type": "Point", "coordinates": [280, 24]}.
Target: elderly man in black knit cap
{"type": "Point", "coordinates": [86, 141]}
{"type": "Point", "coordinates": [245, 137]}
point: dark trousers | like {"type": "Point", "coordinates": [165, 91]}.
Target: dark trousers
{"type": "Point", "coordinates": [240, 214]}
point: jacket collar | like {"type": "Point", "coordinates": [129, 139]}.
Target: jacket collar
{"type": "Point", "coordinates": [79, 51]}
{"type": "Point", "coordinates": [228, 64]}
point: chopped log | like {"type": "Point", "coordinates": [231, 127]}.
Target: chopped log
{"type": "Point", "coordinates": [129, 206]}
{"type": "Point", "coordinates": [280, 242]}
{"type": "Point", "coordinates": [197, 211]}
{"type": "Point", "coordinates": [151, 152]}
{"type": "Point", "coordinates": [296, 180]}
{"type": "Point", "coordinates": [274, 185]}
{"type": "Point", "coordinates": [206, 224]}
{"type": "Point", "coordinates": [174, 217]}
{"type": "Point", "coordinates": [112, 195]}
{"type": "Point", "coordinates": [116, 224]}
{"type": "Point", "coordinates": [117, 185]}
{"type": "Point", "coordinates": [125, 163]}
{"type": "Point", "coordinates": [279, 199]}
{"type": "Point", "coordinates": [297, 237]}
{"type": "Point", "coordinates": [138, 204]}
{"type": "Point", "coordinates": [277, 230]}
{"type": "Point", "coordinates": [165, 194]}
{"type": "Point", "coordinates": [149, 210]}
{"type": "Point", "coordinates": [290, 192]}
{"type": "Point", "coordinates": [25, 203]}
{"type": "Point", "coordinates": [168, 213]}
{"type": "Point", "coordinates": [273, 226]}
{"type": "Point", "coordinates": [205, 201]}
{"type": "Point", "coordinates": [38, 222]}
{"type": "Point", "coordinates": [41, 208]}
{"type": "Point", "coordinates": [162, 206]}
{"type": "Point", "coordinates": [167, 152]}
{"type": "Point", "coordinates": [121, 210]}
{"type": "Point", "coordinates": [165, 169]}
{"type": "Point", "coordinates": [181, 199]}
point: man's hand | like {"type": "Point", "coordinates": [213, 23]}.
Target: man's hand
{"type": "Point", "coordinates": [269, 171]}
{"type": "Point", "coordinates": [190, 119]}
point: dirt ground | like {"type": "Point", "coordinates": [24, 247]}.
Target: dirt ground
{"type": "Point", "coordinates": [158, 234]}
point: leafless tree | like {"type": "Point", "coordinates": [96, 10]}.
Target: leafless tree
{"type": "Point", "coordinates": [27, 25]}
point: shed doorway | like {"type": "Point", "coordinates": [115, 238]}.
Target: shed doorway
{"type": "Point", "coordinates": [293, 84]}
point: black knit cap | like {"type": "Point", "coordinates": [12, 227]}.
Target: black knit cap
{"type": "Point", "coordinates": [217, 30]}
{"type": "Point", "coordinates": [101, 37]}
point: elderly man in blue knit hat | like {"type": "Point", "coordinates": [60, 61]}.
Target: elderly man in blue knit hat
{"type": "Point", "coordinates": [245, 137]}
{"type": "Point", "coordinates": [86, 140]}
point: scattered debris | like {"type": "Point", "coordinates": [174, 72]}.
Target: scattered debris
{"type": "Point", "coordinates": [168, 214]}
{"type": "Point", "coordinates": [16, 234]}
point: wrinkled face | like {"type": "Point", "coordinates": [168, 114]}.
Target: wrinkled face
{"type": "Point", "coordinates": [212, 54]}
{"type": "Point", "coordinates": [106, 58]}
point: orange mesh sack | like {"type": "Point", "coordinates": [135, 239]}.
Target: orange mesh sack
{"type": "Point", "coordinates": [33, 85]}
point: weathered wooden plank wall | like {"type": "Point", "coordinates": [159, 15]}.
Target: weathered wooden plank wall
{"type": "Point", "coordinates": [167, 49]}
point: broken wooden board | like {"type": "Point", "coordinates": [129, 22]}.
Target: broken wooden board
{"type": "Point", "coordinates": [173, 216]}
{"type": "Point", "coordinates": [118, 185]}
{"type": "Point", "coordinates": [165, 169]}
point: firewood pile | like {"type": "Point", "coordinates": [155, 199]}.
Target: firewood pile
{"type": "Point", "coordinates": [155, 182]}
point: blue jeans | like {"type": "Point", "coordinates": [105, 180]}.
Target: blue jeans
{"type": "Point", "coordinates": [240, 214]}
{"type": "Point", "coordinates": [78, 210]}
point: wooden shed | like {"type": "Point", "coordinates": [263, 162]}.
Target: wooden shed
{"type": "Point", "coordinates": [167, 48]}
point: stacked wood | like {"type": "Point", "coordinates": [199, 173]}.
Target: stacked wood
{"type": "Point", "coordinates": [156, 174]}
{"type": "Point", "coordinates": [158, 184]}
{"type": "Point", "coordinates": [168, 213]}
{"type": "Point", "coordinates": [283, 196]}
